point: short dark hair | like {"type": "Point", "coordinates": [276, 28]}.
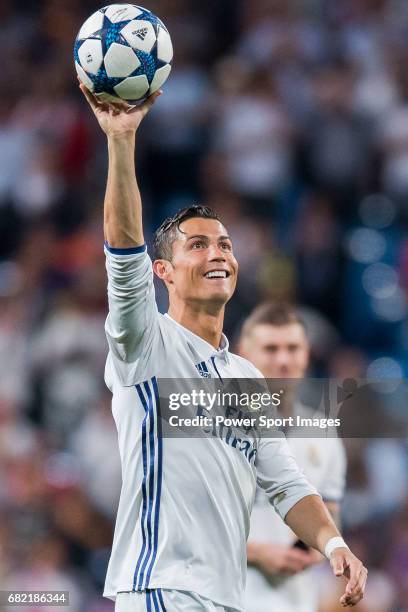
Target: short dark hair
{"type": "Point", "coordinates": [166, 234]}
{"type": "Point", "coordinates": [277, 314]}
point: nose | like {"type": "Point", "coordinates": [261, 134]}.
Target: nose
{"type": "Point", "coordinates": [216, 253]}
{"type": "Point", "coordinates": [282, 359]}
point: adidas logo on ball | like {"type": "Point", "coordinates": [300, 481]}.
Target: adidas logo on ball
{"type": "Point", "coordinates": [142, 33]}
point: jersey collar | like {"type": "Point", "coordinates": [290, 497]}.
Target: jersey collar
{"type": "Point", "coordinates": [204, 348]}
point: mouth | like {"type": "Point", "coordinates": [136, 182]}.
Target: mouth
{"type": "Point", "coordinates": [217, 274]}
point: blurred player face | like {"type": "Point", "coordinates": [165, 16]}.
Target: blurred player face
{"type": "Point", "coordinates": [278, 351]}
{"type": "Point", "coordinates": [203, 268]}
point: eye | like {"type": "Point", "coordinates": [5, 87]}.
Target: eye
{"type": "Point", "coordinates": [271, 349]}
{"type": "Point", "coordinates": [198, 244]}
{"type": "Point", "coordinates": [226, 246]}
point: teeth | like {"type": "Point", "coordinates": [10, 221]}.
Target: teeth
{"type": "Point", "coordinates": [217, 274]}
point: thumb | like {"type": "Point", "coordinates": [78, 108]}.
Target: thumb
{"type": "Point", "coordinates": [336, 561]}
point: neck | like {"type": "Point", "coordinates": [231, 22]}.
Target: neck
{"type": "Point", "coordinates": [204, 322]}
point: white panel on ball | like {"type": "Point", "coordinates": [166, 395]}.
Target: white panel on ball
{"type": "Point", "coordinates": [84, 78]}
{"type": "Point", "coordinates": [140, 35]}
{"type": "Point", "coordinates": [122, 12]}
{"type": "Point", "coordinates": [90, 55]}
{"type": "Point", "coordinates": [133, 88]}
{"type": "Point", "coordinates": [91, 25]}
{"type": "Point", "coordinates": [164, 46]}
{"type": "Point", "coordinates": [160, 77]}
{"type": "Point", "coordinates": [120, 61]}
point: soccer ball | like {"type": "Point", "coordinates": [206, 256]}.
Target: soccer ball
{"type": "Point", "coordinates": [123, 52]}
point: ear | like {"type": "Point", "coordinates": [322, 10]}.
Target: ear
{"type": "Point", "coordinates": [164, 270]}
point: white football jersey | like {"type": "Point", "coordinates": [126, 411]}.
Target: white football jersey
{"type": "Point", "coordinates": [323, 462]}
{"type": "Point", "coordinates": [184, 509]}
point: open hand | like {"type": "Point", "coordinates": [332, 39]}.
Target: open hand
{"type": "Point", "coordinates": [118, 118]}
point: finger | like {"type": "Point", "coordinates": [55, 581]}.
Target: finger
{"type": "Point", "coordinates": [113, 108]}
{"type": "Point", "coordinates": [120, 105]}
{"type": "Point", "coordinates": [355, 568]}
{"type": "Point", "coordinates": [90, 98]}
{"type": "Point", "coordinates": [152, 99]}
{"type": "Point", "coordinates": [352, 589]}
{"type": "Point", "coordinates": [295, 562]}
{"type": "Point", "coordinates": [349, 602]}
{"type": "Point", "coordinates": [298, 555]}
{"type": "Point", "coordinates": [363, 587]}
{"type": "Point", "coordinates": [337, 563]}
{"type": "Point", "coordinates": [351, 598]}
{"type": "Point", "coordinates": [358, 589]}
{"type": "Point", "coordinates": [147, 104]}
{"type": "Point", "coordinates": [112, 111]}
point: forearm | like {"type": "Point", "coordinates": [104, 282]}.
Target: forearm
{"type": "Point", "coordinates": [311, 522]}
{"type": "Point", "coordinates": [334, 509]}
{"type": "Point", "coordinates": [123, 208]}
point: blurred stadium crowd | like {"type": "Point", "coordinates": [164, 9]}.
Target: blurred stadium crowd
{"type": "Point", "coordinates": [290, 118]}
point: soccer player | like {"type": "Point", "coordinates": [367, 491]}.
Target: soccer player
{"type": "Point", "coordinates": [274, 339]}
{"type": "Point", "coordinates": [183, 515]}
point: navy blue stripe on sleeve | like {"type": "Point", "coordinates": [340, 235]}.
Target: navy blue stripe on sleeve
{"type": "Point", "coordinates": [128, 251]}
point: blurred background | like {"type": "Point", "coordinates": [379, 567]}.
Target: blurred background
{"type": "Point", "coordinates": [290, 118]}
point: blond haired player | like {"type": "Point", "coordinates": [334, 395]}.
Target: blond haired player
{"type": "Point", "coordinates": [274, 339]}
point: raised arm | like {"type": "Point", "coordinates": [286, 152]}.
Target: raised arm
{"type": "Point", "coordinates": [123, 226]}
{"type": "Point", "coordinates": [132, 327]}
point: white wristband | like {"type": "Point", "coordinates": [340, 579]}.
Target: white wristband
{"type": "Point", "coordinates": [332, 544]}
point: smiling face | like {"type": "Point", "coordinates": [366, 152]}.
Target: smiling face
{"type": "Point", "coordinates": [203, 268]}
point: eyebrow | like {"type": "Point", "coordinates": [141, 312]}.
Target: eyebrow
{"type": "Point", "coordinates": [203, 236]}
